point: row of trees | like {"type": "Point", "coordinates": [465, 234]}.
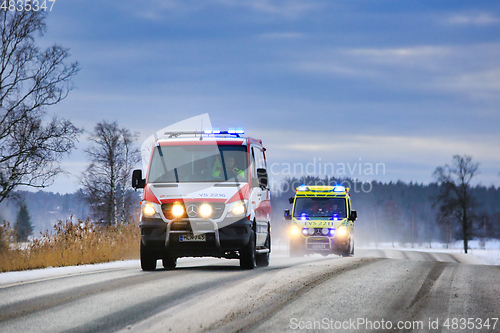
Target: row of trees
{"type": "Point", "coordinates": [32, 146]}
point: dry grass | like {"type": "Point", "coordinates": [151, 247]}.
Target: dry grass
{"type": "Point", "coordinates": [70, 244]}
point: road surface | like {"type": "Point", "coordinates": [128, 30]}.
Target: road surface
{"type": "Point", "coordinates": [377, 290]}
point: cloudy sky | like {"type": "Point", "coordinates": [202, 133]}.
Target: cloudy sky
{"type": "Point", "coordinates": [407, 84]}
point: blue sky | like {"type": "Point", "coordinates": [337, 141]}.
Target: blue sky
{"type": "Point", "coordinates": [404, 83]}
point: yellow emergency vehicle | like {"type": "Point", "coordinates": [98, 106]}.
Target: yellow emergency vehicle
{"type": "Point", "coordinates": [321, 221]}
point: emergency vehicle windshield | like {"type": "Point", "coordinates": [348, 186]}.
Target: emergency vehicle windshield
{"type": "Point", "coordinates": [320, 207]}
{"type": "Point", "coordinates": [198, 163]}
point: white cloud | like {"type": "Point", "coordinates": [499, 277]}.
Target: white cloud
{"type": "Point", "coordinates": [156, 9]}
{"type": "Point", "coordinates": [285, 8]}
{"type": "Point", "coordinates": [479, 85]}
{"type": "Point", "coordinates": [403, 53]}
{"type": "Point", "coordinates": [479, 19]}
{"type": "Point", "coordinates": [282, 35]}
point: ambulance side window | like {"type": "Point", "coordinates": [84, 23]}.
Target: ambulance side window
{"type": "Point", "coordinates": [258, 160]}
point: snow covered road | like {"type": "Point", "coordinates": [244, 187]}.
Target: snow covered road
{"type": "Point", "coordinates": [376, 287]}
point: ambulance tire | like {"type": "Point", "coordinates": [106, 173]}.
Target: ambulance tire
{"type": "Point", "coordinates": [148, 259]}
{"type": "Point", "coordinates": [248, 258]}
{"type": "Point", "coordinates": [263, 258]}
{"type": "Point", "coordinates": [352, 248]}
{"type": "Point", "coordinates": [169, 262]}
{"type": "Point", "coordinates": [347, 252]}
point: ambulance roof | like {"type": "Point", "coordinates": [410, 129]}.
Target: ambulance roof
{"type": "Point", "coordinates": [321, 191]}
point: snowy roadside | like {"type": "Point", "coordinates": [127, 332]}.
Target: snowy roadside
{"type": "Point", "coordinates": [33, 275]}
{"type": "Point", "coordinates": [487, 252]}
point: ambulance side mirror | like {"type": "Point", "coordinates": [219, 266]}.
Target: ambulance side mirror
{"type": "Point", "coordinates": [290, 200]}
{"type": "Point", "coordinates": [262, 175]}
{"type": "Point", "coordinates": [353, 216]}
{"type": "Point", "coordinates": [137, 180]}
{"type": "Point", "coordinates": [287, 216]}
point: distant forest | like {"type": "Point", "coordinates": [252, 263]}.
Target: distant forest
{"type": "Point", "coordinates": [387, 212]}
{"type": "Point", "coordinates": [47, 208]}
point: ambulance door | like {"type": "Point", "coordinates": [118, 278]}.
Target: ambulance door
{"type": "Point", "coordinates": [259, 197]}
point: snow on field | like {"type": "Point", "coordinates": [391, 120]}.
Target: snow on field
{"type": "Point", "coordinates": [46, 273]}
{"type": "Point", "coordinates": [487, 251]}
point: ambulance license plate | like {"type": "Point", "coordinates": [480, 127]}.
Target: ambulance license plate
{"type": "Point", "coordinates": [192, 238]}
{"type": "Point", "coordinates": [318, 246]}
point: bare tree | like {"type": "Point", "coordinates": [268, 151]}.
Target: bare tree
{"type": "Point", "coordinates": [456, 199]}
{"type": "Point", "coordinates": [106, 180]}
{"type": "Point", "coordinates": [30, 81]}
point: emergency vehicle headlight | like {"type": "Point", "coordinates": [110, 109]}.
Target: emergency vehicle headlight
{"type": "Point", "coordinates": [148, 209]}
{"type": "Point", "coordinates": [324, 231]}
{"type": "Point", "coordinates": [304, 231]}
{"type": "Point", "coordinates": [295, 230]}
{"type": "Point", "coordinates": [342, 231]}
{"type": "Point", "coordinates": [205, 211]}
{"type": "Point", "coordinates": [177, 210]}
{"type": "Point", "coordinates": [310, 231]}
{"type": "Point", "coordinates": [332, 232]}
{"type": "Point", "coordinates": [237, 208]}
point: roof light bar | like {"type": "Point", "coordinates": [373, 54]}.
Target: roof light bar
{"type": "Point", "coordinates": [230, 131]}
{"type": "Point", "coordinates": [339, 188]}
{"type": "Point", "coordinates": [207, 131]}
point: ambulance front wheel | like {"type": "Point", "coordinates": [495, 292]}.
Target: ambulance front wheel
{"type": "Point", "coordinates": [349, 251]}
{"type": "Point", "coordinates": [248, 259]}
{"type": "Point", "coordinates": [148, 259]}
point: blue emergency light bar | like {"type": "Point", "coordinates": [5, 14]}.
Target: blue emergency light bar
{"type": "Point", "coordinates": [235, 132]}
{"type": "Point", "coordinates": [230, 131]}
{"type": "Point", "coordinates": [337, 188]}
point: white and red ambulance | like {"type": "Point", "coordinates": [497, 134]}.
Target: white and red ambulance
{"type": "Point", "coordinates": [205, 194]}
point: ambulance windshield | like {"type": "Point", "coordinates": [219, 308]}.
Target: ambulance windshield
{"type": "Point", "coordinates": [331, 208]}
{"type": "Point", "coordinates": [198, 163]}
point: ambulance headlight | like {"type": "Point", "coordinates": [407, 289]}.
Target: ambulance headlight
{"type": "Point", "coordinates": [304, 231]}
{"type": "Point", "coordinates": [205, 211]}
{"type": "Point", "coordinates": [342, 231]}
{"type": "Point", "coordinates": [177, 210]}
{"type": "Point", "coordinates": [324, 231]}
{"type": "Point", "coordinates": [295, 230]}
{"type": "Point", "coordinates": [237, 208]}
{"type": "Point", "coordinates": [150, 210]}
{"type": "Point", "coordinates": [310, 231]}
